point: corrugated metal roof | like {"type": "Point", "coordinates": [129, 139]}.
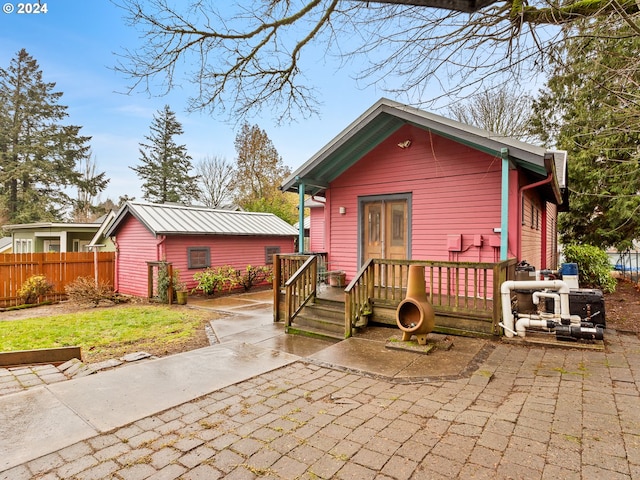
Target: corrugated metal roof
{"type": "Point", "coordinates": [163, 219]}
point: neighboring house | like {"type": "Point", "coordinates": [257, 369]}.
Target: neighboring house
{"type": "Point", "coordinates": [6, 245]}
{"type": "Point", "coordinates": [51, 236]}
{"type": "Point", "coordinates": [192, 239]}
{"type": "Point", "coordinates": [401, 183]}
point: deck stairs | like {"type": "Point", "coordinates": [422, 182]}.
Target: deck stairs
{"type": "Point", "coordinates": [322, 319]}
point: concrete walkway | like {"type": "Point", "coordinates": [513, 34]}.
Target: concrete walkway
{"type": "Point", "coordinates": [248, 410]}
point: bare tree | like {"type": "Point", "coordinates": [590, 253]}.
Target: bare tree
{"type": "Point", "coordinates": [90, 185]}
{"type": "Point", "coordinates": [215, 178]}
{"type": "Point", "coordinates": [251, 55]}
{"type": "Point", "coordinates": [502, 110]}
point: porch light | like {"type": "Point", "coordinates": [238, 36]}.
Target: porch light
{"type": "Point", "coordinates": [342, 210]}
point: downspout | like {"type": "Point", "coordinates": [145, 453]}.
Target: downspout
{"type": "Point", "coordinates": [159, 248]}
{"type": "Point", "coordinates": [504, 219]}
{"type": "Point", "coordinates": [523, 189]}
{"type": "Point", "coordinates": [301, 188]}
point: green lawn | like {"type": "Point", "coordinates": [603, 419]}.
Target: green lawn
{"type": "Point", "coordinates": [110, 332]}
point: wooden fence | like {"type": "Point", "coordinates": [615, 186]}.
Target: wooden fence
{"type": "Point", "coordinates": [60, 269]}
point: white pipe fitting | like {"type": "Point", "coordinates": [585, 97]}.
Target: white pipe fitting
{"type": "Point", "coordinates": [505, 292]}
{"type": "Point", "coordinates": [556, 299]}
{"type": "Point", "coordinates": [523, 323]}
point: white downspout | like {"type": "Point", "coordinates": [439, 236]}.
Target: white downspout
{"type": "Point", "coordinates": [507, 287]}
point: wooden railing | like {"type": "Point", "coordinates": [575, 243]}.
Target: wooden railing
{"type": "Point", "coordinates": [464, 290]}
{"type": "Point", "coordinates": [455, 288]}
{"type": "Point", "coordinates": [297, 277]}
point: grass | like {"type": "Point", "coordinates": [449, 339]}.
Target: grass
{"type": "Point", "coordinates": [109, 332]}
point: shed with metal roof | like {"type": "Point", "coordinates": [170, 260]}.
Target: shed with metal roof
{"type": "Point", "coordinates": [192, 239]}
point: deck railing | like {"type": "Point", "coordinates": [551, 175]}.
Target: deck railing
{"type": "Point", "coordinates": [297, 277]}
{"type": "Point", "coordinates": [461, 289]}
{"type": "Point", "coordinates": [455, 288]}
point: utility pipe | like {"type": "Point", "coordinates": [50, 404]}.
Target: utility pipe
{"type": "Point", "coordinates": [505, 291]}
{"type": "Point", "coordinates": [523, 323]}
{"type": "Point", "coordinates": [523, 189]}
{"type": "Point", "coordinates": [556, 299]}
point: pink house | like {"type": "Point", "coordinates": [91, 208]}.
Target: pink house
{"type": "Point", "coordinates": [192, 239]}
{"type": "Point", "coordinates": [402, 183]}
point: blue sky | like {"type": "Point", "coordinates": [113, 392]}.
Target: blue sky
{"type": "Point", "coordinates": [74, 44]}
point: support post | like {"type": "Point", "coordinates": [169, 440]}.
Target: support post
{"type": "Point", "coordinates": [504, 215]}
{"type": "Point", "coordinates": [301, 188]}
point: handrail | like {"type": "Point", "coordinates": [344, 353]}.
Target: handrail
{"type": "Point", "coordinates": [300, 288]}
{"type": "Point", "coordinates": [357, 297]}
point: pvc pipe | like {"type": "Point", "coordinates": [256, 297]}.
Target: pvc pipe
{"type": "Point", "coordinates": [523, 323]}
{"type": "Point", "coordinates": [505, 291]}
{"type": "Point", "coordinates": [555, 296]}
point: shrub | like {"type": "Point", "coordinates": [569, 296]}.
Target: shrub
{"type": "Point", "coordinates": [33, 288]}
{"type": "Point", "coordinates": [594, 269]}
{"type": "Point", "coordinates": [213, 280]}
{"type": "Point", "coordinates": [162, 283]}
{"type": "Point", "coordinates": [84, 290]}
{"type": "Point", "coordinates": [253, 276]}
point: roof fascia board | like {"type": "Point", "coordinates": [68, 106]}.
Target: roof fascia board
{"type": "Point", "coordinates": [345, 135]}
{"type": "Point", "coordinates": [528, 156]}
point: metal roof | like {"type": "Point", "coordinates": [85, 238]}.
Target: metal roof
{"type": "Point", "coordinates": [164, 219]}
{"type": "Point", "coordinates": [384, 118]}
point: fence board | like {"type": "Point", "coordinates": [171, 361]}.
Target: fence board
{"type": "Point", "coordinates": [60, 269]}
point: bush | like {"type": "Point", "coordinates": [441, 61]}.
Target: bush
{"type": "Point", "coordinates": [594, 269]}
{"type": "Point", "coordinates": [213, 280]}
{"type": "Point", "coordinates": [84, 290]}
{"type": "Point", "coordinates": [34, 287]}
{"type": "Point", "coordinates": [253, 276]}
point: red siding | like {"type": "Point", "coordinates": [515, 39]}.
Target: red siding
{"type": "Point", "coordinates": [136, 246]}
{"type": "Point", "coordinates": [531, 230]}
{"type": "Point", "coordinates": [238, 251]}
{"type": "Point", "coordinates": [454, 190]}
{"type": "Point", "coordinates": [316, 230]}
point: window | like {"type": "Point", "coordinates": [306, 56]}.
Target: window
{"type": "Point", "coordinates": [52, 246]}
{"type": "Point", "coordinates": [199, 257]}
{"type": "Point", "coordinates": [269, 252]}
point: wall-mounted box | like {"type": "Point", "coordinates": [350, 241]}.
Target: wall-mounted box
{"type": "Point", "coordinates": [454, 243]}
{"type": "Point", "coordinates": [477, 240]}
{"type": "Point", "coordinates": [494, 241]}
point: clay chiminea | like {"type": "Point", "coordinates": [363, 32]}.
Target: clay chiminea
{"type": "Point", "coordinates": [415, 315]}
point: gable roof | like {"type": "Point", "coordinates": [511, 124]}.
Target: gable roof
{"type": "Point", "coordinates": [384, 118]}
{"type": "Point", "coordinates": [180, 220]}
{"type": "Point", "coordinates": [106, 220]}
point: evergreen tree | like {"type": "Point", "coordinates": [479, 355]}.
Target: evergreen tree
{"type": "Point", "coordinates": [38, 155]}
{"type": "Point", "coordinates": [165, 165]}
{"type": "Point", "coordinates": [591, 109]}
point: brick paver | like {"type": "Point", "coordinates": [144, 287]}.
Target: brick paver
{"type": "Point", "coordinates": [527, 412]}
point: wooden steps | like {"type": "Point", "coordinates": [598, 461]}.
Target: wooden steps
{"type": "Point", "coordinates": [323, 319]}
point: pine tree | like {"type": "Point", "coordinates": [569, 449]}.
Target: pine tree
{"type": "Point", "coordinates": [165, 165]}
{"type": "Point", "coordinates": [38, 155]}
